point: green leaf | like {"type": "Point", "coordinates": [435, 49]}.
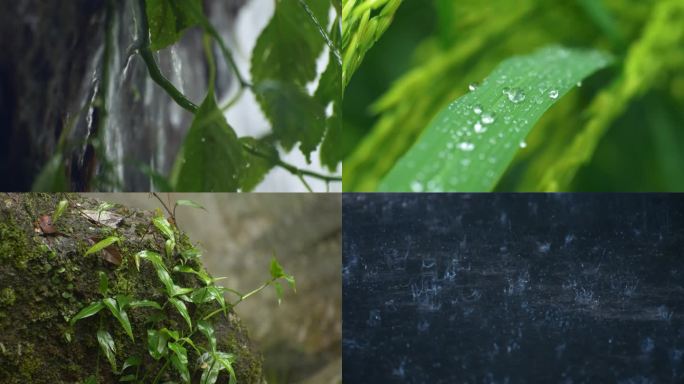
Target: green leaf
{"type": "Point", "coordinates": [104, 283]}
{"type": "Point", "coordinates": [88, 311]}
{"type": "Point", "coordinates": [226, 360]}
{"type": "Point", "coordinates": [174, 334]}
{"type": "Point", "coordinates": [156, 343]}
{"type": "Point", "coordinates": [132, 361]}
{"type": "Point", "coordinates": [120, 315]}
{"type": "Point", "coordinates": [211, 157]}
{"type": "Point", "coordinates": [166, 21]}
{"type": "Point", "coordinates": [207, 330]}
{"type": "Point", "coordinates": [108, 347]}
{"type": "Point", "coordinates": [210, 374]}
{"type": "Point", "coordinates": [256, 167]}
{"type": "Point", "coordinates": [463, 150]}
{"type": "Point", "coordinates": [61, 206]}
{"type": "Point", "coordinates": [163, 226]}
{"type": "Point", "coordinates": [90, 380]}
{"type": "Point", "coordinates": [102, 245]}
{"type": "Point", "coordinates": [179, 360]}
{"type": "Point", "coordinates": [144, 303]}
{"type": "Point", "coordinates": [295, 115]}
{"type": "Point", "coordinates": [288, 47]}
{"type": "Point", "coordinates": [206, 279]}
{"type": "Point", "coordinates": [52, 178]}
{"type": "Point", "coordinates": [279, 291]}
{"type": "Point", "coordinates": [127, 378]}
{"type": "Point", "coordinates": [276, 269]}
{"type": "Point", "coordinates": [169, 245]}
{"type": "Point", "coordinates": [330, 91]}
{"type": "Point", "coordinates": [153, 257]}
{"type": "Point", "coordinates": [189, 203]}
{"type": "Point", "coordinates": [191, 253]}
{"type": "Point", "coordinates": [183, 310]}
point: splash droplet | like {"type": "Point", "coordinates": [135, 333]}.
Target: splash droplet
{"type": "Point", "coordinates": [477, 109]}
{"type": "Point", "coordinates": [466, 146]}
{"type": "Point", "coordinates": [553, 94]}
{"type": "Point", "coordinates": [487, 118]}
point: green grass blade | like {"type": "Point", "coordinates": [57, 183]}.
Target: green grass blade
{"type": "Point", "coordinates": [469, 145]}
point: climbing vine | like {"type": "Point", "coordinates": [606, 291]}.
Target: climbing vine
{"type": "Point", "coordinates": [212, 156]}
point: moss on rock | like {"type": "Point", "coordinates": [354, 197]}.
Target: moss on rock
{"type": "Point", "coordinates": [47, 280]}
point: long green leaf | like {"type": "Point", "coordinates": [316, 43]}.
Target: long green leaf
{"type": "Point", "coordinates": [183, 310]}
{"type": "Point", "coordinates": [179, 360]}
{"type": "Point", "coordinates": [61, 206]}
{"type": "Point", "coordinates": [108, 347]}
{"type": "Point", "coordinates": [88, 311]}
{"type": "Point", "coordinates": [207, 330]}
{"type": "Point", "coordinates": [120, 315]}
{"type": "Point", "coordinates": [163, 226]}
{"type": "Point", "coordinates": [156, 343]}
{"type": "Point", "coordinates": [102, 245]}
{"type": "Point", "coordinates": [469, 145]}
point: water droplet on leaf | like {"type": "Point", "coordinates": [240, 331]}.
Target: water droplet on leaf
{"type": "Point", "coordinates": [487, 118]}
{"type": "Point", "coordinates": [523, 144]}
{"type": "Point", "coordinates": [515, 95]}
{"type": "Point", "coordinates": [472, 86]}
{"type": "Point", "coordinates": [479, 128]}
{"type": "Point", "coordinates": [416, 186]}
{"type": "Point", "coordinates": [466, 146]}
{"type": "Point", "coordinates": [477, 109]}
{"type": "Point", "coordinates": [553, 94]}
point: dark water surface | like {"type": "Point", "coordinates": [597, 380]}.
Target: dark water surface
{"type": "Point", "coordinates": [513, 288]}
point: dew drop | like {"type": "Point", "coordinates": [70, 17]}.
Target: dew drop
{"type": "Point", "coordinates": [515, 95]}
{"type": "Point", "coordinates": [522, 144]}
{"type": "Point", "coordinates": [472, 86]}
{"type": "Point", "coordinates": [487, 118]}
{"type": "Point", "coordinates": [477, 109]}
{"type": "Point", "coordinates": [466, 146]}
{"type": "Point", "coordinates": [416, 186]}
{"type": "Point", "coordinates": [553, 94]}
{"type": "Point", "coordinates": [479, 128]}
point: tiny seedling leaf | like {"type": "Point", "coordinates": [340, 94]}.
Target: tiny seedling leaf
{"type": "Point", "coordinates": [88, 311]}
{"type": "Point", "coordinates": [108, 347]}
{"type": "Point", "coordinates": [61, 206]}
{"type": "Point", "coordinates": [469, 144]}
{"type": "Point", "coordinates": [182, 309]}
{"type": "Point", "coordinates": [119, 314]}
{"type": "Point", "coordinates": [102, 245]}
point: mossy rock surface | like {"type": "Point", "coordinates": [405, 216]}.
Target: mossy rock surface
{"type": "Point", "coordinates": [46, 280]}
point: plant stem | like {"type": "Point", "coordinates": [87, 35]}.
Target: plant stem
{"type": "Point", "coordinates": [291, 168]}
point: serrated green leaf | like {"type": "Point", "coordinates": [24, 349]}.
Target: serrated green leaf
{"type": "Point", "coordinates": [469, 145]}
{"type": "Point", "coordinates": [88, 311]}
{"type": "Point", "coordinates": [157, 344]}
{"type": "Point", "coordinates": [120, 314]}
{"type": "Point", "coordinates": [183, 310]}
{"type": "Point", "coordinates": [166, 21]}
{"type": "Point", "coordinates": [104, 283]}
{"type": "Point", "coordinates": [211, 157]}
{"type": "Point", "coordinates": [256, 167]}
{"type": "Point", "coordinates": [102, 245]}
{"type": "Point", "coordinates": [61, 206]}
{"type": "Point", "coordinates": [189, 203]}
{"type": "Point", "coordinates": [296, 116]}
{"type": "Point", "coordinates": [288, 47]}
{"type": "Point", "coordinates": [108, 347]}
{"type": "Point", "coordinates": [179, 360]}
{"type": "Point", "coordinates": [207, 330]}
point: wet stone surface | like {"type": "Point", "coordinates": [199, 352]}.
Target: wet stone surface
{"type": "Point", "coordinates": [513, 288]}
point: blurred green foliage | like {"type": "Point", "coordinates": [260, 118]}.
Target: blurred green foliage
{"type": "Point", "coordinates": [621, 131]}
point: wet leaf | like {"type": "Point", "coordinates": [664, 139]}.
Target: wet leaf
{"type": "Point", "coordinates": [469, 145]}
{"type": "Point", "coordinates": [144, 303]}
{"type": "Point", "coordinates": [166, 21]}
{"type": "Point", "coordinates": [211, 157]}
{"type": "Point", "coordinates": [179, 360]}
{"type": "Point", "coordinates": [108, 347]}
{"type": "Point", "coordinates": [132, 361]}
{"type": "Point", "coordinates": [88, 311]}
{"type": "Point", "coordinates": [102, 245]}
{"type": "Point", "coordinates": [163, 226]}
{"type": "Point", "coordinates": [206, 279]}
{"type": "Point", "coordinates": [226, 361]}
{"type": "Point", "coordinates": [207, 330]}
